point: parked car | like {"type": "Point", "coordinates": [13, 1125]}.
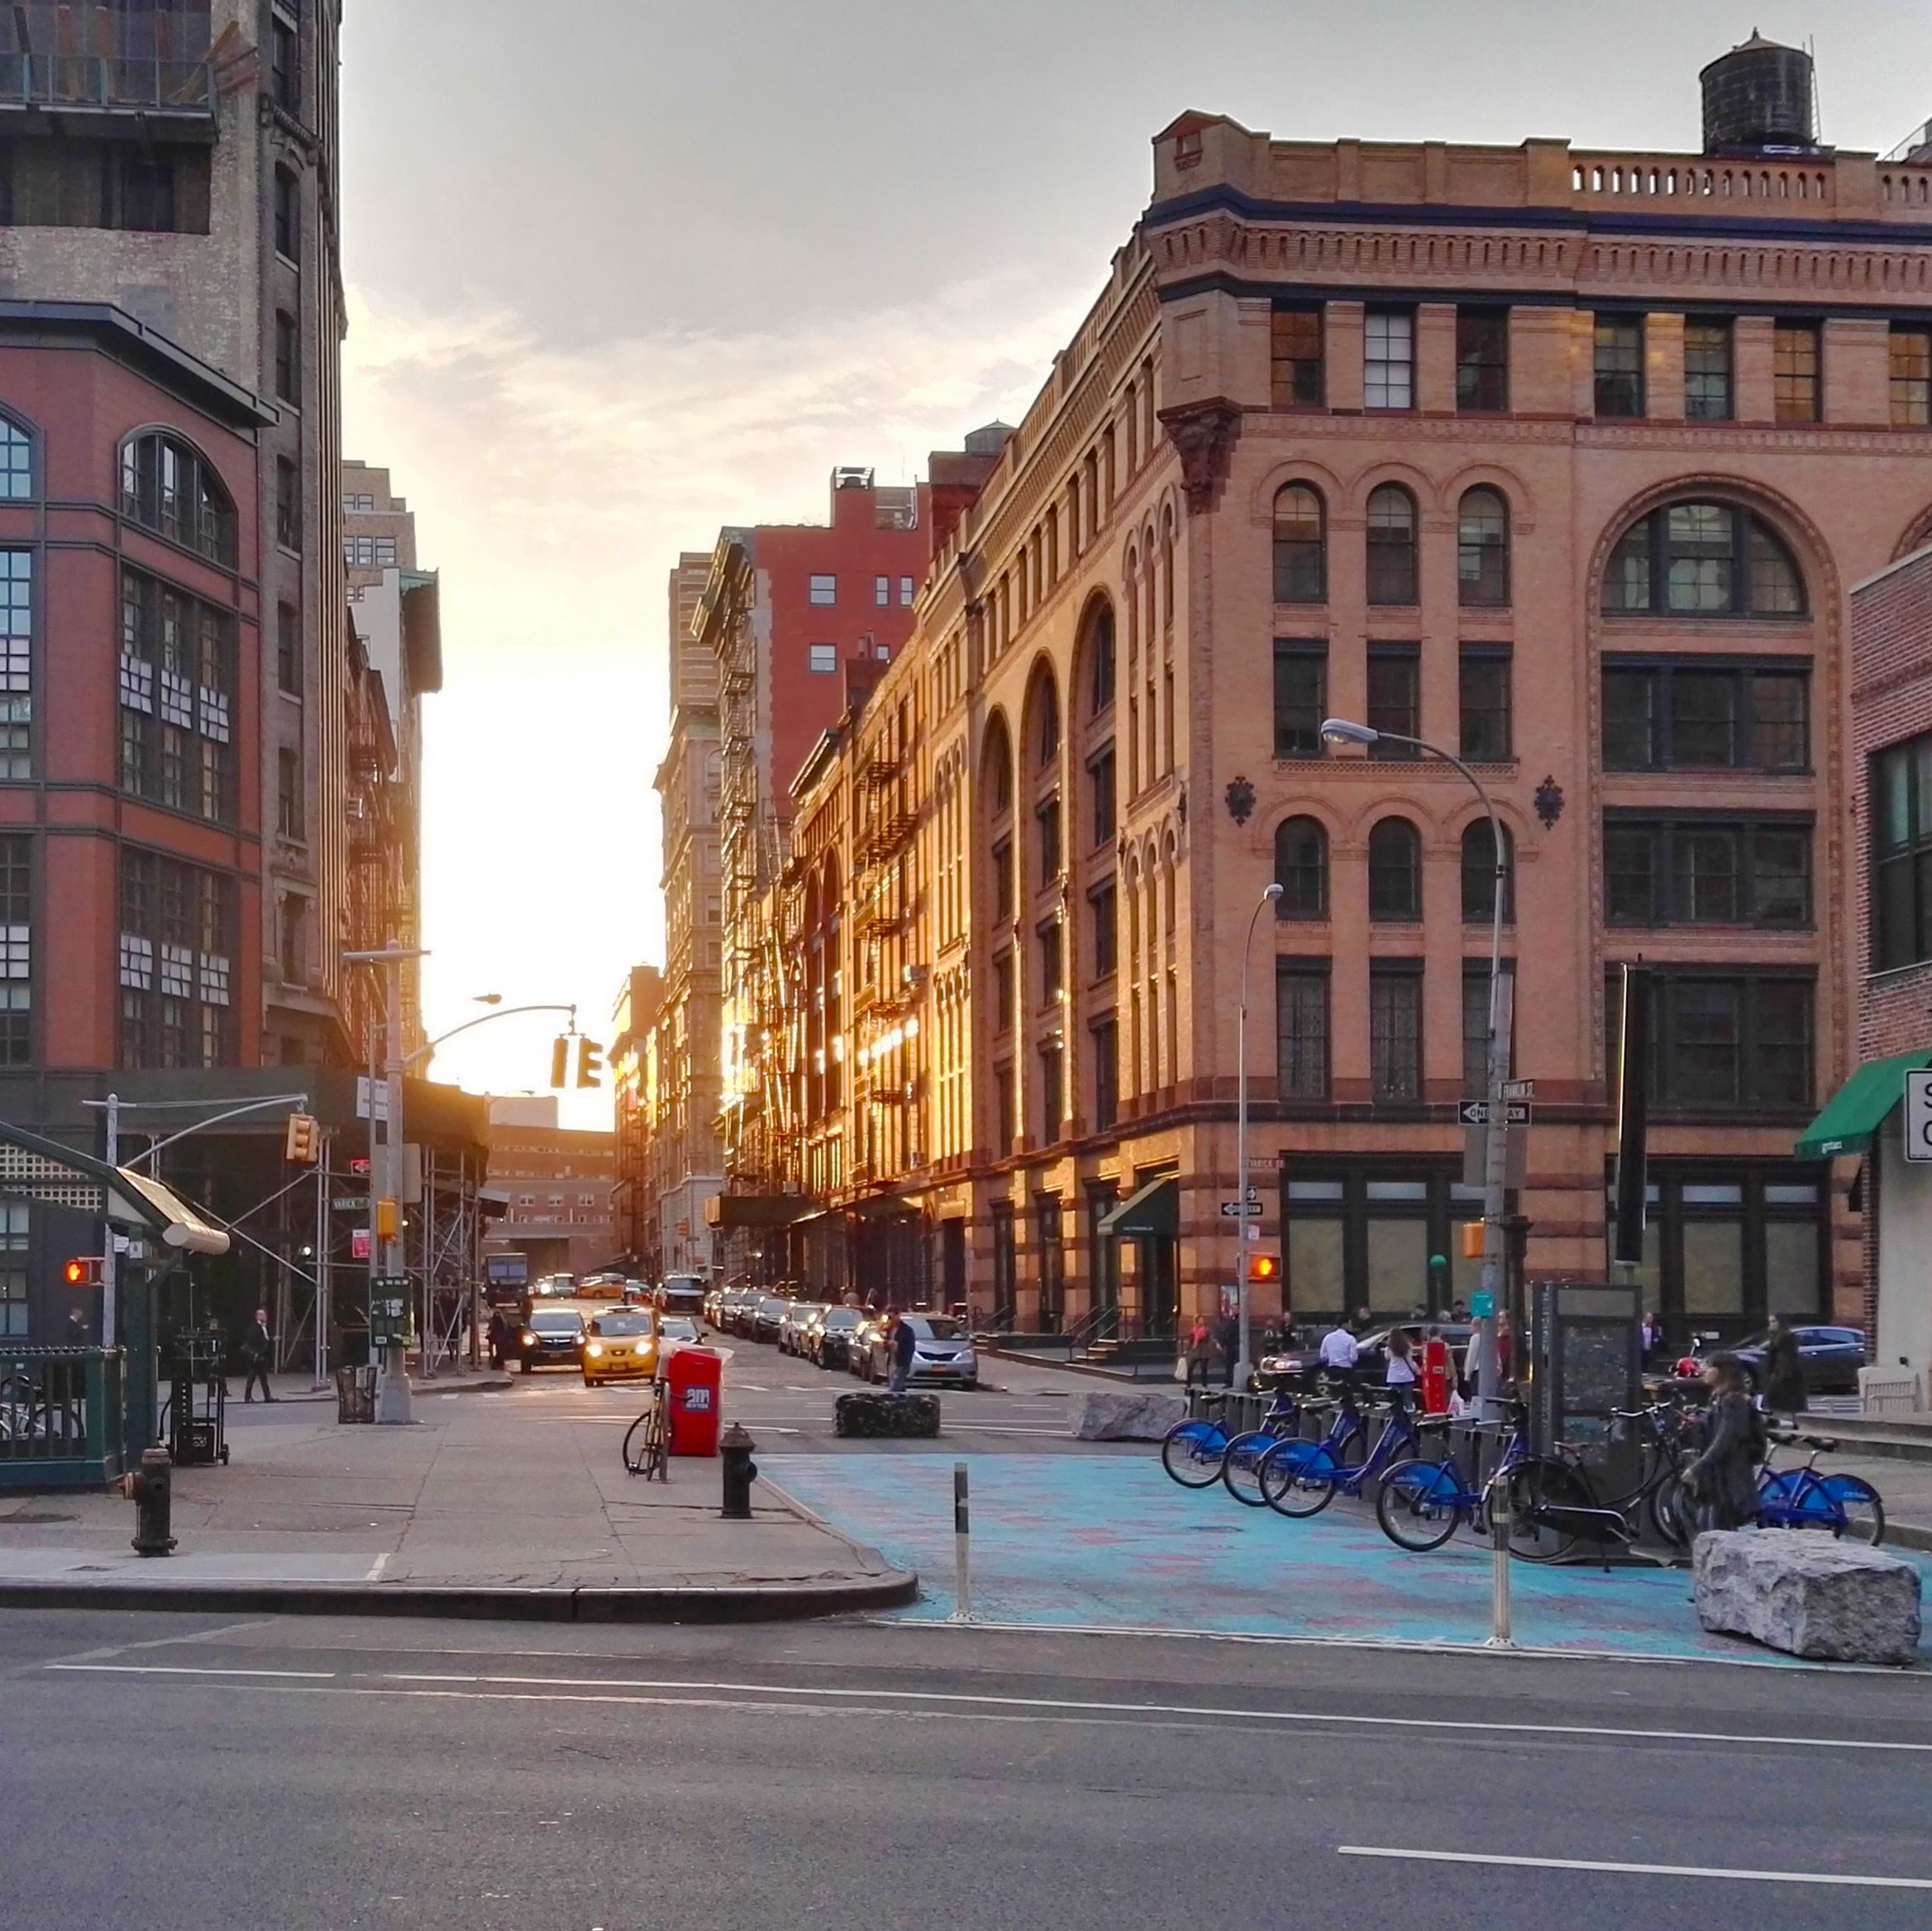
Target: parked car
{"type": "Point", "coordinates": [829, 1334]}
{"type": "Point", "coordinates": [620, 1345]}
{"type": "Point", "coordinates": [942, 1350]}
{"type": "Point", "coordinates": [732, 1304]}
{"type": "Point", "coordinates": [1829, 1359]}
{"type": "Point", "coordinates": [1372, 1360]}
{"type": "Point", "coordinates": [768, 1312]}
{"type": "Point", "coordinates": [791, 1328]}
{"type": "Point", "coordinates": [680, 1294]}
{"type": "Point", "coordinates": [552, 1337]}
{"type": "Point", "coordinates": [673, 1332]}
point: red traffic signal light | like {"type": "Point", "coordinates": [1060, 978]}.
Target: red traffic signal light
{"type": "Point", "coordinates": [1263, 1267]}
{"type": "Point", "coordinates": [83, 1271]}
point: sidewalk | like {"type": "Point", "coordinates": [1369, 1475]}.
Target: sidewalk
{"type": "Point", "coordinates": [300, 1385]}
{"type": "Point", "coordinates": [488, 1506]}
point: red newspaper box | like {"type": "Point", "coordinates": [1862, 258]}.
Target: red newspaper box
{"type": "Point", "coordinates": [1436, 1378]}
{"type": "Point", "coordinates": [694, 1375]}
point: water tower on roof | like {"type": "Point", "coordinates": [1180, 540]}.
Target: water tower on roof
{"type": "Point", "coordinates": [1759, 99]}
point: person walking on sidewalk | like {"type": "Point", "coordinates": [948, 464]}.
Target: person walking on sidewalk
{"type": "Point", "coordinates": [1399, 1376]}
{"type": "Point", "coordinates": [902, 1342]}
{"type": "Point", "coordinates": [1784, 1372]}
{"type": "Point", "coordinates": [258, 1349]}
{"type": "Point", "coordinates": [1199, 1340]}
{"type": "Point", "coordinates": [1722, 1479]}
{"type": "Point", "coordinates": [1227, 1344]}
{"type": "Point", "coordinates": [1340, 1351]}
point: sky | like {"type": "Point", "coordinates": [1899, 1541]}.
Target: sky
{"type": "Point", "coordinates": [663, 264]}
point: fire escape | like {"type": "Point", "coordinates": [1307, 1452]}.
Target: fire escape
{"type": "Point", "coordinates": [887, 992]}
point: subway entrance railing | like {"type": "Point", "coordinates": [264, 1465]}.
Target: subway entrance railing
{"type": "Point", "coordinates": [60, 1417]}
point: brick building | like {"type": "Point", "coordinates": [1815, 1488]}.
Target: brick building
{"type": "Point", "coordinates": [633, 1022]}
{"type": "Point", "coordinates": [557, 1184]}
{"type": "Point", "coordinates": [1562, 461]}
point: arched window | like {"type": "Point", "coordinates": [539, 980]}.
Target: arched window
{"type": "Point", "coordinates": [1394, 871]}
{"type": "Point", "coordinates": [1392, 545]}
{"type": "Point", "coordinates": [998, 756]}
{"type": "Point", "coordinates": [1099, 660]}
{"type": "Point", "coordinates": [1479, 876]}
{"type": "Point", "coordinates": [1045, 703]}
{"type": "Point", "coordinates": [1702, 559]}
{"type": "Point", "coordinates": [1301, 868]}
{"type": "Point", "coordinates": [16, 461]}
{"type": "Point", "coordinates": [166, 487]}
{"type": "Point", "coordinates": [1482, 550]}
{"type": "Point", "coordinates": [1301, 575]}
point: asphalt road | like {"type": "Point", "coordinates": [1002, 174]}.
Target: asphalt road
{"type": "Point", "coordinates": [203, 1772]}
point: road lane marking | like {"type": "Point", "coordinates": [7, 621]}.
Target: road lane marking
{"type": "Point", "coordinates": [1638, 1870]}
{"type": "Point", "coordinates": [186, 1670]}
{"type": "Point", "coordinates": [376, 1568]}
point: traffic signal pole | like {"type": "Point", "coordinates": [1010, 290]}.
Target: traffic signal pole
{"type": "Point", "coordinates": [1243, 1365]}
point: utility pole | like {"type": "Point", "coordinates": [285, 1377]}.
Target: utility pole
{"type": "Point", "coordinates": [110, 1256]}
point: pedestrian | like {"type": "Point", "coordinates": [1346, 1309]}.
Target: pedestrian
{"type": "Point", "coordinates": [1228, 1343]}
{"type": "Point", "coordinates": [1199, 1341]}
{"type": "Point", "coordinates": [1784, 1371]}
{"type": "Point", "coordinates": [901, 1343]}
{"type": "Point", "coordinates": [1399, 1372]}
{"type": "Point", "coordinates": [1646, 1337]}
{"type": "Point", "coordinates": [1721, 1480]}
{"type": "Point", "coordinates": [1338, 1353]}
{"type": "Point", "coordinates": [77, 1328]}
{"type": "Point", "coordinates": [1459, 1311]}
{"type": "Point", "coordinates": [258, 1348]}
{"type": "Point", "coordinates": [499, 1337]}
{"type": "Point", "coordinates": [214, 1347]}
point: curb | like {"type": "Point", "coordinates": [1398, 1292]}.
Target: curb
{"type": "Point", "coordinates": [317, 1397]}
{"type": "Point", "coordinates": [767, 1602]}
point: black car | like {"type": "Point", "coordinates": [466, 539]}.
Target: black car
{"type": "Point", "coordinates": [1829, 1359]}
{"type": "Point", "coordinates": [828, 1339]}
{"type": "Point", "coordinates": [1371, 1359]}
{"type": "Point", "coordinates": [552, 1337]}
{"type": "Point", "coordinates": [766, 1315]}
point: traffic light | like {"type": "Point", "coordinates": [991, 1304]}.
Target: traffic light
{"type": "Point", "coordinates": [1264, 1267]}
{"type": "Point", "coordinates": [560, 1061]}
{"type": "Point", "coordinates": [589, 1063]}
{"type": "Point", "coordinates": [388, 1219]}
{"type": "Point", "coordinates": [84, 1271]}
{"type": "Point", "coordinates": [303, 1141]}
{"type": "Point", "coordinates": [1473, 1236]}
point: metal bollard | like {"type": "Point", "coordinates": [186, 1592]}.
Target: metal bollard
{"type": "Point", "coordinates": [1498, 1572]}
{"type": "Point", "coordinates": [152, 1486]}
{"type": "Point", "coordinates": [734, 1448]}
{"type": "Point", "coordinates": [962, 1548]}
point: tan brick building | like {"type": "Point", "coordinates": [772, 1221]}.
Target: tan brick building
{"type": "Point", "coordinates": [1561, 461]}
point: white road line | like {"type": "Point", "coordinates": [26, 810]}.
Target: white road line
{"type": "Point", "coordinates": [1638, 1870]}
{"type": "Point", "coordinates": [186, 1670]}
{"type": "Point", "coordinates": [376, 1568]}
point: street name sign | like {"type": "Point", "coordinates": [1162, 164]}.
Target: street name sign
{"type": "Point", "coordinates": [1475, 1112]}
{"type": "Point", "coordinates": [1918, 1116]}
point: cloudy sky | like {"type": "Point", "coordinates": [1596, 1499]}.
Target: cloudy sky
{"type": "Point", "coordinates": [622, 270]}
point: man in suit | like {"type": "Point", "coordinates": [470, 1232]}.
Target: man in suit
{"type": "Point", "coordinates": [258, 1348]}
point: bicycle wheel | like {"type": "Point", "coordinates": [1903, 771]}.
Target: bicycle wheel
{"type": "Point", "coordinates": [1859, 1503]}
{"type": "Point", "coordinates": [637, 1444]}
{"type": "Point", "coordinates": [1191, 1452]}
{"type": "Point", "coordinates": [1670, 1510]}
{"type": "Point", "coordinates": [1298, 1478]}
{"type": "Point", "coordinates": [1418, 1504]}
{"type": "Point", "coordinates": [1241, 1466]}
{"type": "Point", "coordinates": [1538, 1484]}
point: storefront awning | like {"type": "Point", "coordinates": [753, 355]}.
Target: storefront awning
{"type": "Point", "coordinates": [1153, 1210]}
{"type": "Point", "coordinates": [1858, 1108]}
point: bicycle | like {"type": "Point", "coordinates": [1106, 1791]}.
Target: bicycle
{"type": "Point", "coordinates": [1191, 1450]}
{"type": "Point", "coordinates": [1300, 1479]}
{"type": "Point", "coordinates": [1241, 1459]}
{"type": "Point", "coordinates": [648, 1452]}
{"type": "Point", "coordinates": [1793, 1498]}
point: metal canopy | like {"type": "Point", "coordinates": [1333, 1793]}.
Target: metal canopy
{"type": "Point", "coordinates": [34, 1169]}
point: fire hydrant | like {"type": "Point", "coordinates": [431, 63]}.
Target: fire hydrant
{"type": "Point", "coordinates": [734, 1447]}
{"type": "Point", "coordinates": [152, 1486]}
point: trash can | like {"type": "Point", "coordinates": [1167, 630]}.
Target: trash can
{"type": "Point", "coordinates": [693, 1376]}
{"type": "Point", "coordinates": [355, 1394]}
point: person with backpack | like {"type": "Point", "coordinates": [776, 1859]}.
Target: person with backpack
{"type": "Point", "coordinates": [1721, 1480]}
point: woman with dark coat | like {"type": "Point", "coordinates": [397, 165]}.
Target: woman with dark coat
{"type": "Point", "coordinates": [1722, 1480]}
{"type": "Point", "coordinates": [1784, 1371]}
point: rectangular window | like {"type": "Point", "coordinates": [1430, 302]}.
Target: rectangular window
{"type": "Point", "coordinates": [288, 504]}
{"type": "Point", "coordinates": [1101, 782]}
{"type": "Point", "coordinates": [287, 216]}
{"type": "Point", "coordinates": [882, 592]}
{"type": "Point", "coordinates": [14, 1228]}
{"type": "Point", "coordinates": [1707, 371]}
{"type": "Point", "coordinates": [16, 663]}
{"type": "Point", "coordinates": [1105, 1035]}
{"type": "Point", "coordinates": [1901, 854]}
{"type": "Point", "coordinates": [285, 63]}
{"type": "Point", "coordinates": [1052, 961]}
{"type": "Point", "coordinates": [1003, 992]}
{"type": "Point", "coordinates": [288, 792]}
{"type": "Point", "coordinates": [1703, 872]}
{"type": "Point", "coordinates": [1301, 1028]}
{"type": "Point", "coordinates": [287, 359]}
{"type": "Point", "coordinates": [176, 687]}
{"type": "Point", "coordinates": [1393, 696]}
{"type": "Point", "coordinates": [1705, 715]}
{"type": "Point", "coordinates": [1482, 360]}
{"type": "Point", "coordinates": [1295, 351]}
{"type": "Point", "coordinates": [1105, 906]}
{"type": "Point", "coordinates": [1484, 674]}
{"type": "Point", "coordinates": [176, 946]}
{"type": "Point", "coordinates": [1005, 1115]}
{"type": "Point", "coordinates": [287, 650]}
{"type": "Point", "coordinates": [1476, 1027]}
{"type": "Point", "coordinates": [290, 951]}
{"type": "Point", "coordinates": [17, 953]}
{"type": "Point", "coordinates": [1301, 696]}
{"type": "Point", "coordinates": [823, 591]}
{"type": "Point", "coordinates": [1388, 359]}
{"type": "Point", "coordinates": [1794, 371]}
{"type": "Point", "coordinates": [1003, 880]}
{"type": "Point", "coordinates": [1395, 1030]}
{"type": "Point", "coordinates": [905, 593]}
{"type": "Point", "coordinates": [822, 659]}
{"type": "Point", "coordinates": [1048, 815]}
{"type": "Point", "coordinates": [1727, 1041]}
{"type": "Point", "coordinates": [1052, 1114]}
{"type": "Point", "coordinates": [1619, 365]}
{"type": "Point", "coordinates": [1912, 376]}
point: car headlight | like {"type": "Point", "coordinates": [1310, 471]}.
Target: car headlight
{"type": "Point", "coordinates": [595, 1351]}
{"type": "Point", "coordinates": [529, 1341]}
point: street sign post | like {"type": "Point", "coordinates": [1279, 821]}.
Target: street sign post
{"type": "Point", "coordinates": [1475, 1112]}
{"type": "Point", "coordinates": [1918, 1116]}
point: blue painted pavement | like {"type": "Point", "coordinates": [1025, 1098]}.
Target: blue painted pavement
{"type": "Point", "coordinates": [1110, 1542]}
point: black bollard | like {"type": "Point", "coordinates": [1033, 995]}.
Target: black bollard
{"type": "Point", "coordinates": [734, 1447]}
{"type": "Point", "coordinates": [152, 1486]}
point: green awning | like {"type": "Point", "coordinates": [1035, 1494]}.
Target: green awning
{"type": "Point", "coordinates": [1860, 1108]}
{"type": "Point", "coordinates": [1153, 1210]}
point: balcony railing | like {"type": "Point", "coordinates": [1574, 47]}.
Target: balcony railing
{"type": "Point", "coordinates": [99, 84]}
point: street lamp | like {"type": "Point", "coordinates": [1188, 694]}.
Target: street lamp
{"type": "Point", "coordinates": [1243, 1366]}
{"type": "Point", "coordinates": [1495, 1131]}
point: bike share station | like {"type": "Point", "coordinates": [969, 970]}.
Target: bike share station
{"type": "Point", "coordinates": [75, 1418]}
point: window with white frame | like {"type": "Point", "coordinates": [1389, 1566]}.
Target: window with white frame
{"type": "Point", "coordinates": [16, 461]}
{"type": "Point", "coordinates": [1389, 359]}
{"type": "Point", "coordinates": [905, 593]}
{"type": "Point", "coordinates": [16, 957]}
{"type": "Point", "coordinates": [13, 1269]}
{"type": "Point", "coordinates": [824, 590]}
{"type": "Point", "coordinates": [176, 963]}
{"type": "Point", "coordinates": [882, 591]}
{"type": "Point", "coordinates": [368, 552]}
{"type": "Point", "coordinates": [176, 686]}
{"type": "Point", "coordinates": [16, 663]}
{"type": "Point", "coordinates": [822, 659]}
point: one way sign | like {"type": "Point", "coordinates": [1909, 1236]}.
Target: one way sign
{"type": "Point", "coordinates": [1475, 1112]}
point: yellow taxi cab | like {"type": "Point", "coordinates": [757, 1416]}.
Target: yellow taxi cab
{"type": "Point", "coordinates": [620, 1344]}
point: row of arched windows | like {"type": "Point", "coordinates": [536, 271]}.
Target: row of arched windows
{"type": "Point", "coordinates": [1395, 871]}
{"type": "Point", "coordinates": [1301, 546]}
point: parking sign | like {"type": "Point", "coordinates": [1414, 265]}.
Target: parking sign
{"type": "Point", "coordinates": [1918, 1116]}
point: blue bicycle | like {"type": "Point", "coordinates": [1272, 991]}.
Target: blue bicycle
{"type": "Point", "coordinates": [1300, 1479]}
{"type": "Point", "coordinates": [1802, 1498]}
{"type": "Point", "coordinates": [1191, 1450]}
{"type": "Point", "coordinates": [1242, 1460]}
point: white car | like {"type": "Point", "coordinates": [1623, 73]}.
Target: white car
{"type": "Point", "coordinates": [942, 1350]}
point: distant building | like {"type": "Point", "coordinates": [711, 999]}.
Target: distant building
{"type": "Point", "coordinates": [558, 1183]}
{"type": "Point", "coordinates": [634, 1023]}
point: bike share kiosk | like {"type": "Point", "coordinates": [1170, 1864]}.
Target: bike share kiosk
{"type": "Point", "coordinates": [1585, 1360]}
